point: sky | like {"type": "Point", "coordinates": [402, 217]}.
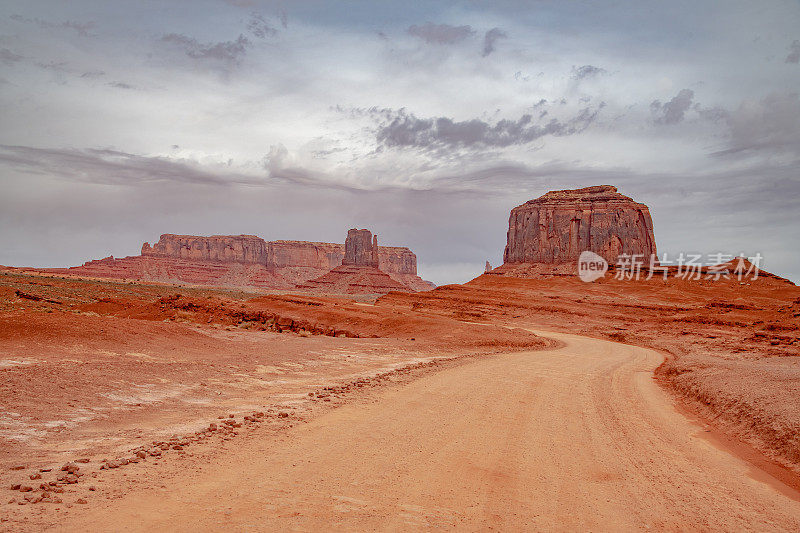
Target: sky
{"type": "Point", "coordinates": [425, 122]}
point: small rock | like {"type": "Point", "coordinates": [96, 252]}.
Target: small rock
{"type": "Point", "coordinates": [141, 454]}
{"type": "Point", "coordinates": [81, 501]}
{"type": "Point", "coordinates": [37, 475]}
{"type": "Point", "coordinates": [16, 486]}
{"type": "Point", "coordinates": [70, 468]}
{"type": "Point", "coordinates": [25, 488]}
{"type": "Point", "coordinates": [19, 467]}
{"type": "Point", "coordinates": [283, 414]}
{"type": "Point", "coordinates": [93, 488]}
{"type": "Point", "coordinates": [82, 460]}
{"type": "Point", "coordinates": [45, 469]}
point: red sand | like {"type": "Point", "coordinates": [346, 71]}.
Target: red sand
{"type": "Point", "coordinates": [102, 368]}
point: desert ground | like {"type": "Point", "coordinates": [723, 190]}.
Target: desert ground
{"type": "Point", "coordinates": [507, 403]}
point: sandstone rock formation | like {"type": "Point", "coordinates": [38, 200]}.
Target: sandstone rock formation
{"type": "Point", "coordinates": [299, 261]}
{"type": "Point", "coordinates": [361, 248]}
{"type": "Point", "coordinates": [244, 261]}
{"type": "Point", "coordinates": [359, 272]}
{"type": "Point", "coordinates": [558, 226]}
{"type": "Point", "coordinates": [228, 248]}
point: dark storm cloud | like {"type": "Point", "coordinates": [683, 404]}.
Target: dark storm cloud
{"type": "Point", "coordinates": [441, 33]}
{"type": "Point", "coordinates": [673, 111]}
{"type": "Point", "coordinates": [121, 85]}
{"type": "Point", "coordinates": [56, 66]}
{"type": "Point", "coordinates": [225, 53]}
{"type": "Point", "coordinates": [93, 74]}
{"type": "Point", "coordinates": [113, 167]}
{"type": "Point", "coordinates": [587, 71]}
{"type": "Point", "coordinates": [260, 27]}
{"type": "Point", "coordinates": [278, 167]}
{"type": "Point", "coordinates": [490, 38]}
{"type": "Point", "coordinates": [283, 17]}
{"type": "Point", "coordinates": [769, 124]}
{"type": "Point", "coordinates": [81, 28]}
{"type": "Point", "coordinates": [8, 57]}
{"type": "Point", "coordinates": [794, 53]}
{"type": "Point", "coordinates": [405, 129]}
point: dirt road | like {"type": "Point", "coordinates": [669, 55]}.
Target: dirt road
{"type": "Point", "coordinates": [574, 438]}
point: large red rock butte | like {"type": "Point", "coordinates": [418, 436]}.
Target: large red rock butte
{"type": "Point", "coordinates": [359, 272]}
{"type": "Point", "coordinates": [244, 261]}
{"type": "Point", "coordinates": [557, 227]}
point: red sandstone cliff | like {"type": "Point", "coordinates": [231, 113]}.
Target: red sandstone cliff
{"type": "Point", "coordinates": [244, 261]}
{"type": "Point", "coordinates": [227, 248]}
{"type": "Point", "coordinates": [558, 226]}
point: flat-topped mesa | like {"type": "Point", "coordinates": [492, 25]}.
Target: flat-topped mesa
{"type": "Point", "coordinates": [361, 248]}
{"type": "Point", "coordinates": [557, 227]}
{"type": "Point", "coordinates": [249, 261]}
{"type": "Point", "coordinates": [225, 248]}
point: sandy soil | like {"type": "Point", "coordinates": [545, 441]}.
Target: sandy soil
{"type": "Point", "coordinates": [101, 371]}
{"type": "Point", "coordinates": [575, 438]}
{"type": "Point", "coordinates": [732, 349]}
{"type": "Point", "coordinates": [139, 382]}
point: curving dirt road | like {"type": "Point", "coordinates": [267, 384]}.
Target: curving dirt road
{"type": "Point", "coordinates": [574, 438]}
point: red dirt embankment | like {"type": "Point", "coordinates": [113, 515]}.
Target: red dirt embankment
{"type": "Point", "coordinates": [732, 349]}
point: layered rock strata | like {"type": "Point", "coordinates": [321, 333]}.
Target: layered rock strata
{"type": "Point", "coordinates": [243, 261]}
{"type": "Point", "coordinates": [558, 226]}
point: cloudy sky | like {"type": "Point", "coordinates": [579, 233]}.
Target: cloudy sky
{"type": "Point", "coordinates": [424, 122]}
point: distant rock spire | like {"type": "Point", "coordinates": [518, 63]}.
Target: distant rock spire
{"type": "Point", "coordinates": [488, 267]}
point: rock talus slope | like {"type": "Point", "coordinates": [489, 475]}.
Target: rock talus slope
{"type": "Point", "coordinates": [359, 272]}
